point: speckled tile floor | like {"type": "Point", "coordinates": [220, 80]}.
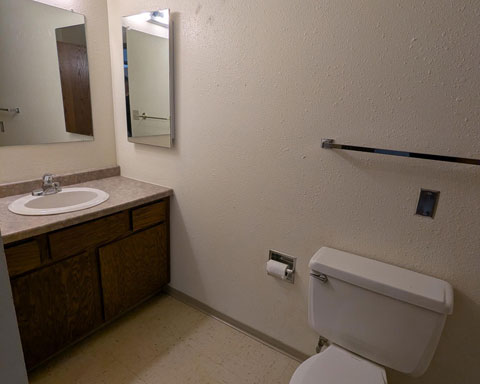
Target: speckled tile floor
{"type": "Point", "coordinates": [166, 341]}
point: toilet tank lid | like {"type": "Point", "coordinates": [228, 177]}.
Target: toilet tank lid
{"type": "Point", "coordinates": [399, 283]}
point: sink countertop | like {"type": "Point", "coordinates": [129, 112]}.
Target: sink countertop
{"type": "Point", "coordinates": [124, 193]}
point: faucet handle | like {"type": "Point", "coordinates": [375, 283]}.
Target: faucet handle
{"type": "Point", "coordinates": [48, 178]}
{"type": "Point", "coordinates": [49, 186]}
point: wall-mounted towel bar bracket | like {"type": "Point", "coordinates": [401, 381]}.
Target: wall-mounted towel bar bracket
{"type": "Point", "coordinates": [11, 110]}
{"type": "Point", "coordinates": [330, 144]}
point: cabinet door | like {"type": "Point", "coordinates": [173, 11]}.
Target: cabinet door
{"type": "Point", "coordinates": [133, 269]}
{"type": "Point", "coordinates": [57, 305]}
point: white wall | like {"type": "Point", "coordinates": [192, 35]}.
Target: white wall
{"type": "Point", "coordinates": [32, 161]}
{"type": "Point", "coordinates": [258, 84]}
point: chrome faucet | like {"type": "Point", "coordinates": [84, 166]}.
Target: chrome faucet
{"type": "Point", "coordinates": [49, 187]}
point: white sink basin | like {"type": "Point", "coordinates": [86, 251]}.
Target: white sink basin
{"type": "Point", "coordinates": [68, 200]}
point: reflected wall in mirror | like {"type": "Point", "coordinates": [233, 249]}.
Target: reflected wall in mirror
{"type": "Point", "coordinates": [147, 47]}
{"type": "Point", "coordinates": [44, 78]}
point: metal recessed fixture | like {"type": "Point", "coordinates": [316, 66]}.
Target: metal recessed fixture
{"type": "Point", "coordinates": [330, 144]}
{"type": "Point", "coordinates": [290, 261]}
{"type": "Point", "coordinates": [427, 203]}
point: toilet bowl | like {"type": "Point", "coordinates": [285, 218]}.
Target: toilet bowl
{"type": "Point", "coordinates": [374, 315]}
{"type": "Point", "coordinates": [335, 365]}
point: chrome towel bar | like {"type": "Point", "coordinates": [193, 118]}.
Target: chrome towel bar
{"type": "Point", "coordinates": [330, 144]}
{"type": "Point", "coordinates": [143, 116]}
{"type": "Point", "coordinates": [11, 110]}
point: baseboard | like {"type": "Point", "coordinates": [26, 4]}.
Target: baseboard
{"type": "Point", "coordinates": [239, 326]}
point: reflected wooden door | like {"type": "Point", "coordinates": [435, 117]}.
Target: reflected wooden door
{"type": "Point", "coordinates": [73, 63]}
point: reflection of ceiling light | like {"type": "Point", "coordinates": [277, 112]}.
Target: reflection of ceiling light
{"type": "Point", "coordinates": [160, 18]}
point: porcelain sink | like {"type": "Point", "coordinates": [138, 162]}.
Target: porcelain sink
{"type": "Point", "coordinates": [68, 200]}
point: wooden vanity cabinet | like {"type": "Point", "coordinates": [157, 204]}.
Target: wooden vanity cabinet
{"type": "Point", "coordinates": [70, 282]}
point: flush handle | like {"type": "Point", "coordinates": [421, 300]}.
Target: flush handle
{"type": "Point", "coordinates": [319, 276]}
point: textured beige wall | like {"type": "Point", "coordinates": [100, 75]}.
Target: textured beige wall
{"type": "Point", "coordinates": [258, 84]}
{"type": "Point", "coordinates": [25, 162]}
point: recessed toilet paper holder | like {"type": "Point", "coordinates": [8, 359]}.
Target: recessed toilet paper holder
{"type": "Point", "coordinates": [285, 259]}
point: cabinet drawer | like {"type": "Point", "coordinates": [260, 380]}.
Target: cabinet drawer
{"type": "Point", "coordinates": [22, 258]}
{"type": "Point", "coordinates": [70, 241]}
{"type": "Point", "coordinates": [149, 215]}
{"type": "Point", "coordinates": [133, 269]}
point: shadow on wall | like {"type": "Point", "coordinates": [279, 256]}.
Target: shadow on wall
{"type": "Point", "coordinates": [180, 239]}
{"type": "Point", "coordinates": [462, 328]}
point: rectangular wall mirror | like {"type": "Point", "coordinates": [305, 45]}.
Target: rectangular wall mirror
{"type": "Point", "coordinates": [44, 77]}
{"type": "Point", "coordinates": [148, 57]}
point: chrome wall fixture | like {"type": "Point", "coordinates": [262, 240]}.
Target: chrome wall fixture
{"type": "Point", "coordinates": [143, 116]}
{"type": "Point", "coordinates": [10, 110]}
{"type": "Point", "coordinates": [290, 261]}
{"type": "Point", "coordinates": [319, 276]}
{"type": "Point", "coordinates": [330, 144]}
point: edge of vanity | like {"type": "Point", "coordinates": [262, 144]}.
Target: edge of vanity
{"type": "Point", "coordinates": [124, 193]}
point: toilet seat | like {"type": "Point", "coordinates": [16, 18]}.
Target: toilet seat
{"type": "Point", "coordinates": [337, 366]}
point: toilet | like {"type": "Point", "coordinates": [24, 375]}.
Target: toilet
{"type": "Point", "coordinates": [374, 315]}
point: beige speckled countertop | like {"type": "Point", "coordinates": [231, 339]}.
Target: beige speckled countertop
{"type": "Point", "coordinates": [124, 193]}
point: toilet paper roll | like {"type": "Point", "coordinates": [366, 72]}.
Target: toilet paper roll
{"type": "Point", "coordinates": [277, 269]}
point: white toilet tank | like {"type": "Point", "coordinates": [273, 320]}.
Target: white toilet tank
{"type": "Point", "coordinates": [386, 314]}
